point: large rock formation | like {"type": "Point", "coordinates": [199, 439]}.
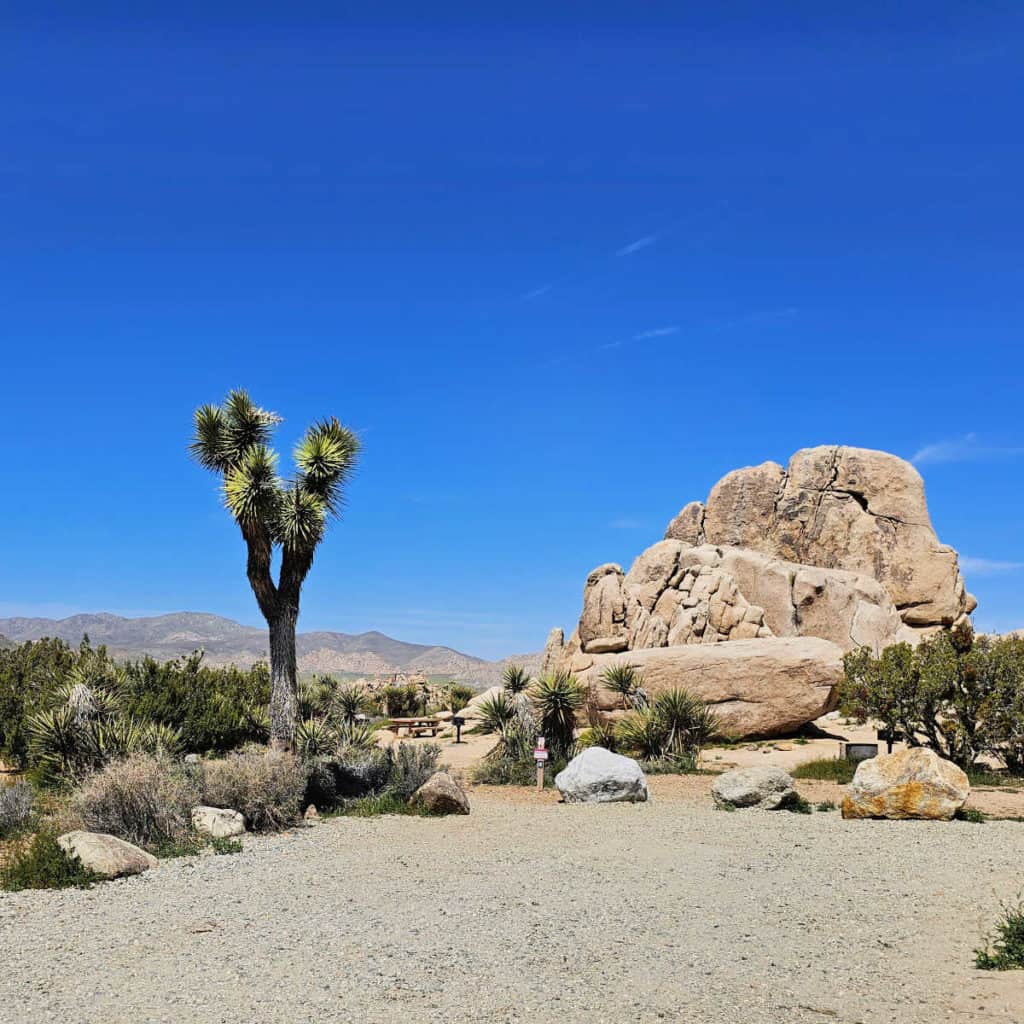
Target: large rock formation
{"type": "Point", "coordinates": [838, 547]}
{"type": "Point", "coordinates": [838, 508]}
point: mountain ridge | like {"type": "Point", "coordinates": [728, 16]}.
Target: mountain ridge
{"type": "Point", "coordinates": [225, 641]}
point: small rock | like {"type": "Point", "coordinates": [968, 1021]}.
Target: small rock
{"type": "Point", "coordinates": [597, 776]}
{"type": "Point", "coordinates": [106, 855]}
{"type": "Point", "coordinates": [764, 788]}
{"type": "Point", "coordinates": [312, 815]}
{"type": "Point", "coordinates": [219, 822]}
{"type": "Point", "coordinates": [441, 794]}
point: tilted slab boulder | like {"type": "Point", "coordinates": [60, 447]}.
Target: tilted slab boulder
{"type": "Point", "coordinates": [106, 855]}
{"type": "Point", "coordinates": [761, 687]}
{"type": "Point", "coordinates": [441, 794]}
{"type": "Point", "coordinates": [914, 783]}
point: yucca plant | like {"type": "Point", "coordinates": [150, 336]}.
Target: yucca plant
{"type": "Point", "coordinates": [495, 713]}
{"type": "Point", "coordinates": [315, 737]}
{"type": "Point", "coordinates": [457, 696]}
{"type": "Point", "coordinates": [602, 734]}
{"type": "Point", "coordinates": [676, 727]}
{"type": "Point", "coordinates": [355, 739]}
{"type": "Point", "coordinates": [233, 440]}
{"type": "Point", "coordinates": [348, 703]}
{"type": "Point", "coordinates": [556, 699]}
{"type": "Point", "coordinates": [640, 734]}
{"type": "Point", "coordinates": [622, 679]}
{"type": "Point", "coordinates": [515, 679]}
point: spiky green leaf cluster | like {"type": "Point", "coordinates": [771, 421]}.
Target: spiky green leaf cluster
{"type": "Point", "coordinates": [233, 439]}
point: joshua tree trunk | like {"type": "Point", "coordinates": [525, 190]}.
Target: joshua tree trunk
{"type": "Point", "coordinates": [282, 678]}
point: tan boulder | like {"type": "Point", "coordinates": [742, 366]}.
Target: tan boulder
{"type": "Point", "coordinates": [106, 855]}
{"type": "Point", "coordinates": [441, 794]}
{"type": "Point", "coordinates": [554, 650]}
{"type": "Point", "coordinates": [472, 709]}
{"type": "Point", "coordinates": [688, 526]}
{"type": "Point", "coordinates": [836, 507]}
{"type": "Point", "coordinates": [914, 783]}
{"type": "Point", "coordinates": [603, 622]}
{"type": "Point", "coordinates": [758, 687]}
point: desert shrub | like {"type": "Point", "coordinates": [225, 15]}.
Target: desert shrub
{"type": "Point", "coordinates": [265, 786]}
{"type": "Point", "coordinates": [401, 701]}
{"type": "Point", "coordinates": [16, 804]}
{"type": "Point", "coordinates": [457, 696]}
{"type": "Point", "coordinates": [332, 780]}
{"type": "Point", "coordinates": [315, 737]}
{"type": "Point", "coordinates": [971, 814]}
{"type": "Point", "coordinates": [143, 799]}
{"type": "Point", "coordinates": [505, 772]}
{"type": "Point", "coordinates": [411, 766]}
{"type": "Point", "coordinates": [674, 729]}
{"type": "Point", "coordinates": [1004, 949]}
{"type": "Point", "coordinates": [600, 734]}
{"type": "Point", "coordinates": [214, 709]}
{"type": "Point", "coordinates": [796, 804]}
{"type": "Point", "coordinates": [42, 864]}
{"type": "Point", "coordinates": [515, 679]}
{"type": "Point", "coordinates": [826, 769]}
{"type": "Point", "coordinates": [383, 803]}
{"type": "Point", "coordinates": [825, 805]}
{"type": "Point", "coordinates": [963, 696]}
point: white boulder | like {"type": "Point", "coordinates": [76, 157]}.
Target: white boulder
{"type": "Point", "coordinates": [597, 776]}
{"type": "Point", "coordinates": [765, 788]}
{"type": "Point", "coordinates": [219, 822]}
{"type": "Point", "coordinates": [106, 855]}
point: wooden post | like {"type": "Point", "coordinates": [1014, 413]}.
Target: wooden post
{"type": "Point", "coordinates": [540, 775]}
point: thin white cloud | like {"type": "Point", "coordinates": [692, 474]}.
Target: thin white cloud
{"type": "Point", "coordinates": [962, 449]}
{"type": "Point", "coordinates": [988, 566]}
{"type": "Point", "coordinates": [640, 243]}
{"type": "Point", "coordinates": [655, 332]}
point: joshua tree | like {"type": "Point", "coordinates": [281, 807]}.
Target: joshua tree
{"type": "Point", "coordinates": [291, 515]}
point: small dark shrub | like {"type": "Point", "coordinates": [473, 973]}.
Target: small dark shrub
{"type": "Point", "coordinates": [16, 803]}
{"type": "Point", "coordinates": [825, 769]}
{"type": "Point", "coordinates": [42, 864]}
{"type": "Point", "coordinates": [266, 786]}
{"type": "Point", "coordinates": [145, 800]}
{"type": "Point", "coordinates": [222, 845]}
{"type": "Point", "coordinates": [384, 803]}
{"type": "Point", "coordinates": [332, 780]}
{"type": "Point", "coordinates": [1004, 951]}
{"type": "Point", "coordinates": [796, 804]}
{"type": "Point", "coordinates": [971, 814]}
{"type": "Point", "coordinates": [825, 805]}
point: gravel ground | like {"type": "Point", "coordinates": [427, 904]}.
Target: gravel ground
{"type": "Point", "coordinates": [532, 911]}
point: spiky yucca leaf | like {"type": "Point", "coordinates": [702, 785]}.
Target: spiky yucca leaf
{"type": "Point", "coordinates": [299, 519]}
{"type": "Point", "coordinates": [348, 702]}
{"type": "Point", "coordinates": [159, 738]}
{"type": "Point", "coordinates": [246, 425]}
{"type": "Point", "coordinates": [355, 738]}
{"type": "Point", "coordinates": [556, 699]}
{"type": "Point", "coordinates": [252, 490]}
{"type": "Point", "coordinates": [315, 737]}
{"type": "Point", "coordinates": [515, 679]}
{"type": "Point", "coordinates": [209, 447]}
{"type": "Point", "coordinates": [495, 713]}
{"type": "Point", "coordinates": [623, 679]}
{"type": "Point", "coordinates": [326, 457]}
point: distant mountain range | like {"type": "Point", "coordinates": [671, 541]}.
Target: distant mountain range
{"type": "Point", "coordinates": [227, 642]}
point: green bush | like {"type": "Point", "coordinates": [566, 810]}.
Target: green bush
{"type": "Point", "coordinates": [505, 772]}
{"type": "Point", "coordinates": [383, 803]}
{"type": "Point", "coordinates": [143, 799]}
{"type": "Point", "coordinates": [265, 786]}
{"type": "Point", "coordinates": [971, 814]}
{"type": "Point", "coordinates": [42, 864]}
{"type": "Point", "coordinates": [961, 695]}
{"type": "Point", "coordinates": [826, 769]}
{"type": "Point", "coordinates": [457, 696]}
{"type": "Point", "coordinates": [411, 766]}
{"type": "Point", "coordinates": [1004, 950]}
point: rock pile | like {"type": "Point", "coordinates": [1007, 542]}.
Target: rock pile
{"type": "Point", "coordinates": [832, 553]}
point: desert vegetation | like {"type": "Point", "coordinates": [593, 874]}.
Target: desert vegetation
{"type": "Point", "coordinates": [960, 694]}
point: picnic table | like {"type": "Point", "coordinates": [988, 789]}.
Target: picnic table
{"type": "Point", "coordinates": [416, 726]}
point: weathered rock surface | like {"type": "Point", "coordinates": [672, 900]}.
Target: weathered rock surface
{"type": "Point", "coordinates": [554, 649]}
{"type": "Point", "coordinates": [914, 783]}
{"type": "Point", "coordinates": [765, 788]}
{"type": "Point", "coordinates": [597, 776]}
{"type": "Point", "coordinates": [106, 855]}
{"type": "Point", "coordinates": [219, 822]}
{"type": "Point", "coordinates": [441, 794]}
{"type": "Point", "coordinates": [760, 687]}
{"type": "Point", "coordinates": [836, 507]}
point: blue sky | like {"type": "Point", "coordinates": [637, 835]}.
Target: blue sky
{"type": "Point", "coordinates": [562, 266]}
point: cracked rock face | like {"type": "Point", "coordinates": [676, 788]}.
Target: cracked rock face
{"type": "Point", "coordinates": [838, 508]}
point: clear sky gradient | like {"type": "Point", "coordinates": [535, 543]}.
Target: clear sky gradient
{"type": "Point", "coordinates": [561, 265]}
